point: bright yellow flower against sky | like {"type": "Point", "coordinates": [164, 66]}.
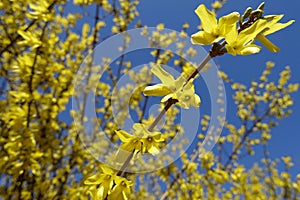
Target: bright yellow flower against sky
{"type": "Point", "coordinates": [171, 88]}
{"type": "Point", "coordinates": [107, 183]}
{"type": "Point", "coordinates": [142, 141]}
{"type": "Point", "coordinates": [242, 43]}
{"type": "Point", "coordinates": [273, 26]}
{"type": "Point", "coordinates": [213, 30]}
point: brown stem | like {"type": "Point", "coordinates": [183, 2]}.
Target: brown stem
{"type": "Point", "coordinates": [200, 67]}
{"type": "Point", "coordinates": [170, 102]}
{"type": "Point", "coordinates": [124, 166]}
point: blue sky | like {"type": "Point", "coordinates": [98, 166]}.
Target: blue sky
{"type": "Point", "coordinates": [244, 69]}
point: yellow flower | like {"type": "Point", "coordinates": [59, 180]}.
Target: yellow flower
{"type": "Point", "coordinates": [213, 30]}
{"type": "Point", "coordinates": [40, 11]}
{"type": "Point", "coordinates": [175, 89]}
{"type": "Point", "coordinates": [273, 27]}
{"type": "Point", "coordinates": [242, 43]}
{"type": "Point", "coordinates": [122, 189]}
{"type": "Point", "coordinates": [217, 5]}
{"type": "Point", "coordinates": [29, 39]}
{"type": "Point", "coordinates": [107, 185]}
{"type": "Point", "coordinates": [142, 141]}
{"type": "Point", "coordinates": [104, 181]}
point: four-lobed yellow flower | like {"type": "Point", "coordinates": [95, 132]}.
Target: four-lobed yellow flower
{"type": "Point", "coordinates": [173, 88]}
{"type": "Point", "coordinates": [142, 141]}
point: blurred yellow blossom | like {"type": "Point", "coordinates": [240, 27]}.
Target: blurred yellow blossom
{"type": "Point", "coordinates": [29, 39]}
{"type": "Point", "coordinates": [175, 89]}
{"type": "Point", "coordinates": [107, 185]}
{"type": "Point", "coordinates": [217, 5]}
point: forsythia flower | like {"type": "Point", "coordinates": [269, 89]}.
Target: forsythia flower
{"type": "Point", "coordinates": [121, 191]}
{"type": "Point", "coordinates": [213, 30]}
{"type": "Point", "coordinates": [40, 11]}
{"type": "Point", "coordinates": [142, 141]}
{"type": "Point", "coordinates": [217, 5]}
{"type": "Point", "coordinates": [175, 89]}
{"type": "Point", "coordinates": [242, 43]}
{"type": "Point", "coordinates": [29, 39]}
{"type": "Point", "coordinates": [108, 185]}
{"type": "Point", "coordinates": [273, 27]}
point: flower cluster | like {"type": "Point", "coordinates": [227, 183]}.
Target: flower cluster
{"type": "Point", "coordinates": [238, 41]}
{"type": "Point", "coordinates": [107, 185]}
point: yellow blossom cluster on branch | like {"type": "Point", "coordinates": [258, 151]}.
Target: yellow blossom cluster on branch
{"type": "Point", "coordinates": [238, 40]}
{"type": "Point", "coordinates": [107, 185]}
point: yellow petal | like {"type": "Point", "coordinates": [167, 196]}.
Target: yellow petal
{"type": "Point", "coordinates": [158, 137]}
{"type": "Point", "coordinates": [208, 18]}
{"type": "Point", "coordinates": [231, 49]}
{"type": "Point", "coordinates": [123, 135]}
{"type": "Point", "coordinates": [180, 81]}
{"type": "Point", "coordinates": [164, 76]}
{"type": "Point", "coordinates": [153, 150]}
{"type": "Point", "coordinates": [274, 19]}
{"type": "Point", "coordinates": [166, 98]}
{"type": "Point", "coordinates": [24, 34]}
{"type": "Point", "coordinates": [93, 180]}
{"type": "Point", "coordinates": [128, 146]}
{"type": "Point", "coordinates": [250, 49]}
{"type": "Point", "coordinates": [249, 34]}
{"type": "Point", "coordinates": [101, 193]}
{"type": "Point", "coordinates": [267, 43]}
{"type": "Point", "coordinates": [228, 22]}
{"type": "Point", "coordinates": [202, 38]}
{"type": "Point", "coordinates": [138, 127]}
{"type": "Point", "coordinates": [231, 36]}
{"type": "Point", "coordinates": [197, 101]}
{"type": "Point", "coordinates": [106, 170]}
{"type": "Point", "coordinates": [277, 27]}
{"type": "Point", "coordinates": [156, 90]}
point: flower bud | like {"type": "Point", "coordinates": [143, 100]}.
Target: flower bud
{"type": "Point", "coordinates": [246, 14]}
{"type": "Point", "coordinates": [256, 13]}
{"type": "Point", "coordinates": [261, 6]}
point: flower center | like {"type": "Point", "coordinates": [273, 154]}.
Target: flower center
{"type": "Point", "coordinates": [173, 88]}
{"type": "Point", "coordinates": [123, 184]}
{"type": "Point", "coordinates": [187, 97]}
